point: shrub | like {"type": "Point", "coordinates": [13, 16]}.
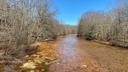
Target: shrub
{"type": "Point", "coordinates": [89, 36]}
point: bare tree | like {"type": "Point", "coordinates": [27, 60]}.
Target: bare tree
{"type": "Point", "coordinates": [109, 26]}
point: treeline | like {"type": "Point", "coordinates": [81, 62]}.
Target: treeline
{"type": "Point", "coordinates": [70, 29]}
{"type": "Point", "coordinates": [111, 26]}
{"type": "Point", "coordinates": [23, 22]}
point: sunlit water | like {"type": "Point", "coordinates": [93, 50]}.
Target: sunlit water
{"type": "Point", "coordinates": [74, 52]}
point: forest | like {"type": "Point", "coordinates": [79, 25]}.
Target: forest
{"type": "Point", "coordinates": [24, 22]}
{"type": "Point", "coordinates": [110, 26]}
{"type": "Point", "coordinates": [36, 37]}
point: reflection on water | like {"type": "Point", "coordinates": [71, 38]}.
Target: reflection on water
{"type": "Point", "coordinates": [72, 57]}
{"type": "Point", "coordinates": [74, 52]}
{"type": "Point", "coordinates": [69, 59]}
{"type": "Point", "coordinates": [67, 46]}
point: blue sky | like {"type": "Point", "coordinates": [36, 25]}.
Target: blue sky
{"type": "Point", "coordinates": [69, 11]}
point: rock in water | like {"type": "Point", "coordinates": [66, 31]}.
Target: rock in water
{"type": "Point", "coordinates": [29, 65]}
{"type": "Point", "coordinates": [84, 66]}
